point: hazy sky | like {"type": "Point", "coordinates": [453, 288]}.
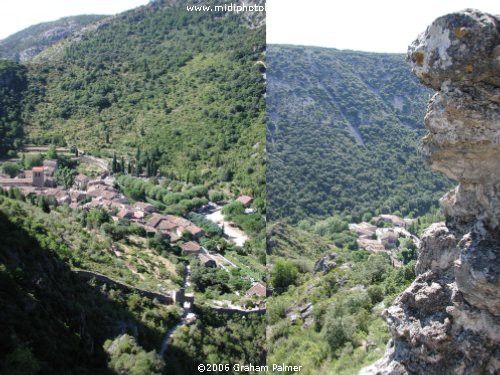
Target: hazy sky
{"type": "Point", "coordinates": [365, 25]}
{"type": "Point", "coordinates": [16, 15]}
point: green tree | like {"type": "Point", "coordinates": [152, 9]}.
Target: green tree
{"type": "Point", "coordinates": [65, 177]}
{"type": "Point", "coordinates": [114, 164]}
{"type": "Point", "coordinates": [43, 203]}
{"type": "Point", "coordinates": [233, 208]}
{"type": "Point", "coordinates": [20, 362]}
{"type": "Point", "coordinates": [11, 169]}
{"type": "Point", "coordinates": [52, 152]}
{"type": "Point", "coordinates": [127, 357]}
{"type": "Point", "coordinates": [96, 217]}
{"type": "Point", "coordinates": [33, 160]}
{"type": "Point", "coordinates": [283, 274]}
{"type": "Point", "coordinates": [339, 330]}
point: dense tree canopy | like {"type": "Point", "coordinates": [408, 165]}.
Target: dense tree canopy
{"type": "Point", "coordinates": [343, 131]}
{"type": "Point", "coordinates": [12, 88]}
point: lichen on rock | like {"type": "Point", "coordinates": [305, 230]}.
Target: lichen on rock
{"type": "Point", "coordinates": [448, 320]}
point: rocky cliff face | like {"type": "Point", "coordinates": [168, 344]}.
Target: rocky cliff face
{"type": "Point", "coordinates": [30, 42]}
{"type": "Point", "coordinates": [448, 320]}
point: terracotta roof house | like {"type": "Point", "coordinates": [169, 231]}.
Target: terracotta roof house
{"type": "Point", "coordinates": [145, 207]}
{"type": "Point", "coordinates": [258, 289]}
{"type": "Point", "coordinates": [191, 247]}
{"type": "Point", "coordinates": [94, 203]}
{"type": "Point", "coordinates": [120, 205]}
{"type": "Point", "coordinates": [363, 229]}
{"type": "Point", "coordinates": [207, 261]}
{"type": "Point", "coordinates": [394, 220]}
{"type": "Point", "coordinates": [245, 200]}
{"type": "Point", "coordinates": [63, 198]}
{"type": "Point", "coordinates": [194, 230]}
{"type": "Point", "coordinates": [387, 237]}
{"type": "Point", "coordinates": [166, 225]}
{"type": "Point", "coordinates": [110, 195]}
{"type": "Point", "coordinates": [81, 182]}
{"type": "Point", "coordinates": [95, 190]}
{"type": "Point", "coordinates": [180, 221]}
{"type": "Point", "coordinates": [77, 196]}
{"type": "Point", "coordinates": [174, 237]}
{"type": "Point", "coordinates": [138, 214]}
{"type": "Point", "coordinates": [370, 245]}
{"type": "Point", "coordinates": [154, 221]}
{"type": "Point", "coordinates": [125, 214]}
{"type": "Point", "coordinates": [50, 166]}
{"type": "Point", "coordinates": [106, 203]}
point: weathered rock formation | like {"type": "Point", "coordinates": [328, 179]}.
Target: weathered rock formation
{"type": "Point", "coordinates": [326, 263]}
{"type": "Point", "coordinates": [448, 320]}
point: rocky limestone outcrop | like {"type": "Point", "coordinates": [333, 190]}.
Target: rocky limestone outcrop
{"type": "Point", "coordinates": [326, 263]}
{"type": "Point", "coordinates": [448, 320]}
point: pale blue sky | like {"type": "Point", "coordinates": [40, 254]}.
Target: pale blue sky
{"type": "Point", "coordinates": [364, 25]}
{"type": "Point", "coordinates": [16, 15]}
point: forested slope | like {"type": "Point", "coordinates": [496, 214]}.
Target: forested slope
{"type": "Point", "coordinates": [53, 321]}
{"type": "Point", "coordinates": [12, 88]}
{"type": "Point", "coordinates": [343, 132]}
{"type": "Point", "coordinates": [172, 93]}
{"type": "Point", "coordinates": [324, 313]}
{"type": "Point", "coordinates": [183, 89]}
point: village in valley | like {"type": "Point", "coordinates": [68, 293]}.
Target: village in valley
{"type": "Point", "coordinates": [69, 178]}
{"type": "Point", "coordinates": [384, 234]}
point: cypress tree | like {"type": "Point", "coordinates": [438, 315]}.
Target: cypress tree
{"type": "Point", "coordinates": [114, 166]}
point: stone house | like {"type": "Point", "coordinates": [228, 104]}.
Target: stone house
{"type": "Point", "coordinates": [81, 182]}
{"type": "Point", "coordinates": [207, 261]}
{"type": "Point", "coordinates": [125, 214]}
{"type": "Point", "coordinates": [195, 231]}
{"type": "Point", "coordinates": [258, 290]}
{"type": "Point", "coordinates": [191, 248]}
{"type": "Point", "coordinates": [387, 237]}
{"type": "Point", "coordinates": [49, 166]}
{"type": "Point", "coordinates": [245, 200]}
{"type": "Point", "coordinates": [38, 176]}
{"type": "Point", "coordinates": [144, 207]}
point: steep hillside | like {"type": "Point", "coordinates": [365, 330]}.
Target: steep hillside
{"type": "Point", "coordinates": [13, 85]}
{"type": "Point", "coordinates": [53, 321]}
{"type": "Point", "coordinates": [284, 241]}
{"type": "Point", "coordinates": [343, 133]}
{"type": "Point", "coordinates": [324, 313]}
{"type": "Point", "coordinates": [184, 88]}
{"type": "Point", "coordinates": [154, 92]}
{"type": "Point", "coordinates": [26, 44]}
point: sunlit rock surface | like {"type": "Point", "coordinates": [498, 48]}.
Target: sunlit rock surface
{"type": "Point", "coordinates": [448, 320]}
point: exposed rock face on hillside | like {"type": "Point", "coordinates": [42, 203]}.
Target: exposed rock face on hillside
{"type": "Point", "coordinates": [448, 320]}
{"type": "Point", "coordinates": [28, 43]}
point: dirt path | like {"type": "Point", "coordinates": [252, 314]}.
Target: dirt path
{"type": "Point", "coordinates": [233, 234]}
